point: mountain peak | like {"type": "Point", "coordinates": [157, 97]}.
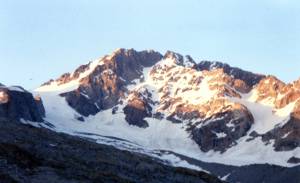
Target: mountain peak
{"type": "Point", "coordinates": [121, 58]}
{"type": "Point", "coordinates": [178, 59]}
{"type": "Point", "coordinates": [122, 51]}
{"type": "Point", "coordinates": [172, 55]}
{"type": "Point", "coordinates": [131, 52]}
{"type": "Point", "coordinates": [249, 78]}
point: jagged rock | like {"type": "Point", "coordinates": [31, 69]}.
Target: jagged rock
{"type": "Point", "coordinates": [48, 82]}
{"type": "Point", "coordinates": [286, 137]}
{"type": "Point", "coordinates": [221, 80]}
{"type": "Point", "coordinates": [185, 112]}
{"type": "Point", "coordinates": [222, 130]}
{"type": "Point", "coordinates": [103, 88]}
{"type": "Point", "coordinates": [67, 77]}
{"type": "Point", "coordinates": [17, 103]}
{"type": "Point", "coordinates": [241, 86]}
{"type": "Point", "coordinates": [269, 87]}
{"type": "Point", "coordinates": [249, 78]}
{"type": "Point", "coordinates": [138, 108]}
{"type": "Point", "coordinates": [186, 61]}
{"type": "Point", "coordinates": [40, 105]}
{"type": "Point", "coordinates": [80, 103]}
{"type": "Point", "coordinates": [277, 92]}
{"type": "Point", "coordinates": [294, 160]}
{"type": "Point", "coordinates": [135, 114]}
{"type": "Point", "coordinates": [287, 99]}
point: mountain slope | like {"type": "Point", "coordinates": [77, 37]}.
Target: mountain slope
{"type": "Point", "coordinates": [207, 110]}
{"type": "Point", "coordinates": [47, 156]}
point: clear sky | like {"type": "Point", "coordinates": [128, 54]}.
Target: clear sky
{"type": "Point", "coordinates": [40, 40]}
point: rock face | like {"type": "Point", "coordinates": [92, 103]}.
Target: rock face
{"type": "Point", "coordinates": [200, 100]}
{"type": "Point", "coordinates": [222, 130]}
{"type": "Point", "coordinates": [47, 156]}
{"type": "Point", "coordinates": [249, 78]}
{"type": "Point", "coordinates": [105, 85]}
{"type": "Point", "coordinates": [186, 61]}
{"type": "Point", "coordinates": [277, 92]}
{"type": "Point", "coordinates": [138, 108]}
{"type": "Point", "coordinates": [281, 96]}
{"type": "Point", "coordinates": [269, 88]}
{"type": "Point", "coordinates": [67, 77]}
{"type": "Point", "coordinates": [17, 104]}
{"type": "Point", "coordinates": [287, 136]}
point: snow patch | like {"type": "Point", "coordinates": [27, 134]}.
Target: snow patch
{"type": "Point", "coordinates": [285, 135]}
{"type": "Point", "coordinates": [221, 135]}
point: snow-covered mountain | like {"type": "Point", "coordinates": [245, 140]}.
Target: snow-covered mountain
{"type": "Point", "coordinates": [209, 111]}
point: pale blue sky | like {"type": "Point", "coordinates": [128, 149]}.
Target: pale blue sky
{"type": "Point", "coordinates": [40, 40]}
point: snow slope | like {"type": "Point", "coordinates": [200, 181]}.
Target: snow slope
{"type": "Point", "coordinates": [60, 88]}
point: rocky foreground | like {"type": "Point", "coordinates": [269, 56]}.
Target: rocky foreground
{"type": "Point", "coordinates": [30, 154]}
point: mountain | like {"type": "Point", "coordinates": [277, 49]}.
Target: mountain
{"type": "Point", "coordinates": [174, 103]}
{"type": "Point", "coordinates": [201, 115]}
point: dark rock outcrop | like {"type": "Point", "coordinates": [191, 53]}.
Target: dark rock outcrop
{"type": "Point", "coordinates": [282, 143]}
{"type": "Point", "coordinates": [138, 108]}
{"type": "Point", "coordinates": [135, 113]}
{"type": "Point", "coordinates": [222, 130]}
{"type": "Point", "coordinates": [47, 156]}
{"type": "Point", "coordinates": [294, 160]}
{"type": "Point", "coordinates": [287, 136]}
{"type": "Point", "coordinates": [17, 103]}
{"type": "Point", "coordinates": [186, 61]}
{"type": "Point", "coordinates": [248, 77]}
{"type": "Point", "coordinates": [80, 103]}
